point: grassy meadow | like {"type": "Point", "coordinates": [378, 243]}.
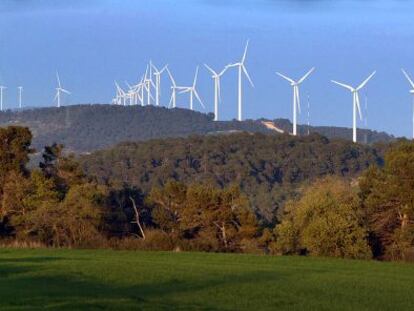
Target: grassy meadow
{"type": "Point", "coordinates": [47, 279]}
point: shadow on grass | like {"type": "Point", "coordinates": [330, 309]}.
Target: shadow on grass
{"type": "Point", "coordinates": [22, 288]}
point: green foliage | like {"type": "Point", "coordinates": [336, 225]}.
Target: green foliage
{"type": "Point", "coordinates": [388, 197]}
{"type": "Point", "coordinates": [14, 151]}
{"type": "Point", "coordinates": [325, 221]}
{"type": "Point", "coordinates": [204, 217]}
{"type": "Point", "coordinates": [267, 168]}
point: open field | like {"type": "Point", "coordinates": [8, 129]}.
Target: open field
{"type": "Point", "coordinates": [122, 280]}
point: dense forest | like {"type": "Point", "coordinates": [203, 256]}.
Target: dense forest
{"type": "Point", "coordinates": [182, 194]}
{"type": "Point", "coordinates": [85, 128]}
{"type": "Point", "coordinates": [268, 168]}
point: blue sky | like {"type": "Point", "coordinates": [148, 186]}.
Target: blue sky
{"type": "Point", "coordinates": [92, 43]}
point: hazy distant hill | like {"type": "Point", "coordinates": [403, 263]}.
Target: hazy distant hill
{"type": "Point", "coordinates": [84, 128]}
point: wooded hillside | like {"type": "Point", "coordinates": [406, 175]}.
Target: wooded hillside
{"type": "Point", "coordinates": [85, 128]}
{"type": "Point", "coordinates": [268, 168]}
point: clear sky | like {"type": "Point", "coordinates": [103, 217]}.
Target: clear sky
{"type": "Point", "coordinates": [92, 43]}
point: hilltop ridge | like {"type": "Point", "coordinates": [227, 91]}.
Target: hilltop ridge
{"type": "Point", "coordinates": [85, 128]}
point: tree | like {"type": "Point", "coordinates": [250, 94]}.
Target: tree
{"type": "Point", "coordinates": [14, 151]}
{"type": "Point", "coordinates": [388, 197]}
{"type": "Point", "coordinates": [326, 221]}
{"type": "Point", "coordinates": [206, 217]}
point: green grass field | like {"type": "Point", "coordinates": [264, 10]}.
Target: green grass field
{"type": "Point", "coordinates": [122, 280]}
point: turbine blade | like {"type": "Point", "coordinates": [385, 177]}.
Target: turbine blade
{"type": "Point", "coordinates": [358, 105]}
{"type": "Point", "coordinates": [153, 67]}
{"type": "Point", "coordinates": [245, 52]}
{"type": "Point", "coordinates": [365, 81]}
{"type": "Point", "coordinates": [209, 69]}
{"type": "Point", "coordinates": [163, 69]}
{"type": "Point", "coordinates": [198, 98]}
{"type": "Point", "coordinates": [223, 71]}
{"type": "Point", "coordinates": [58, 80]}
{"type": "Point", "coordinates": [171, 98]}
{"type": "Point", "coordinates": [306, 75]}
{"type": "Point", "coordinates": [195, 77]}
{"type": "Point", "coordinates": [184, 91]}
{"type": "Point", "coordinates": [408, 77]}
{"type": "Point", "coordinates": [343, 85]}
{"type": "Point", "coordinates": [247, 75]}
{"type": "Point", "coordinates": [284, 77]}
{"type": "Point", "coordinates": [171, 77]}
{"type": "Point", "coordinates": [65, 91]}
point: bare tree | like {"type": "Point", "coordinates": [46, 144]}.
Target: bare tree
{"type": "Point", "coordinates": [137, 220]}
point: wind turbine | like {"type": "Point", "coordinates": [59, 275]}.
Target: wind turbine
{"type": "Point", "coordinates": [174, 88]}
{"type": "Point", "coordinates": [296, 97]}
{"type": "Point", "coordinates": [355, 102]}
{"type": "Point", "coordinates": [20, 88]}
{"type": "Point", "coordinates": [157, 74]}
{"type": "Point", "coordinates": [2, 88]}
{"type": "Point", "coordinates": [193, 92]}
{"type": "Point", "coordinates": [217, 88]}
{"type": "Point", "coordinates": [120, 95]}
{"type": "Point", "coordinates": [411, 91]}
{"type": "Point", "coordinates": [241, 68]}
{"type": "Point", "coordinates": [148, 83]}
{"type": "Point", "coordinates": [59, 90]}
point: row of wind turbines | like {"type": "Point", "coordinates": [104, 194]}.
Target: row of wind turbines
{"type": "Point", "coordinates": [135, 93]}
{"type": "Point", "coordinates": [141, 93]}
{"type": "Point", "coordinates": [57, 99]}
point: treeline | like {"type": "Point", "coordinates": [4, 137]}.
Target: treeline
{"type": "Point", "coordinates": [269, 169]}
{"type": "Point", "coordinates": [84, 128]}
{"type": "Point", "coordinates": [373, 218]}
{"type": "Point", "coordinates": [58, 205]}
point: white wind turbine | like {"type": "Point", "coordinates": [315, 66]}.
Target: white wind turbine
{"type": "Point", "coordinates": [139, 92]}
{"type": "Point", "coordinates": [193, 92]}
{"type": "Point", "coordinates": [174, 89]}
{"type": "Point", "coordinates": [157, 74]}
{"type": "Point", "coordinates": [241, 68]}
{"type": "Point", "coordinates": [296, 96]}
{"type": "Point", "coordinates": [120, 95]}
{"type": "Point", "coordinates": [2, 88]}
{"type": "Point", "coordinates": [411, 91]}
{"type": "Point", "coordinates": [20, 89]}
{"type": "Point", "coordinates": [355, 102]}
{"type": "Point", "coordinates": [59, 90]}
{"type": "Point", "coordinates": [148, 84]}
{"type": "Point", "coordinates": [217, 88]}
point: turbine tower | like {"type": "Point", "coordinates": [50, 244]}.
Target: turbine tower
{"type": "Point", "coordinates": [148, 83]}
{"type": "Point", "coordinates": [2, 88]}
{"type": "Point", "coordinates": [157, 74]}
{"type": "Point", "coordinates": [355, 102]}
{"type": "Point", "coordinates": [174, 88]}
{"type": "Point", "coordinates": [20, 88]}
{"type": "Point", "coordinates": [241, 69]}
{"type": "Point", "coordinates": [296, 96]}
{"type": "Point", "coordinates": [193, 92]}
{"type": "Point", "coordinates": [411, 91]}
{"type": "Point", "coordinates": [59, 90]}
{"type": "Point", "coordinates": [217, 88]}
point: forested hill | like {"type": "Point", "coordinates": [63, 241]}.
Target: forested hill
{"type": "Point", "coordinates": [268, 168]}
{"type": "Point", "coordinates": [84, 128]}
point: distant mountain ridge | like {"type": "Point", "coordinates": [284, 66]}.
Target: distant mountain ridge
{"type": "Point", "coordinates": [85, 128]}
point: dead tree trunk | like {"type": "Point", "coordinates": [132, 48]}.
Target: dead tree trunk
{"type": "Point", "coordinates": [137, 220]}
